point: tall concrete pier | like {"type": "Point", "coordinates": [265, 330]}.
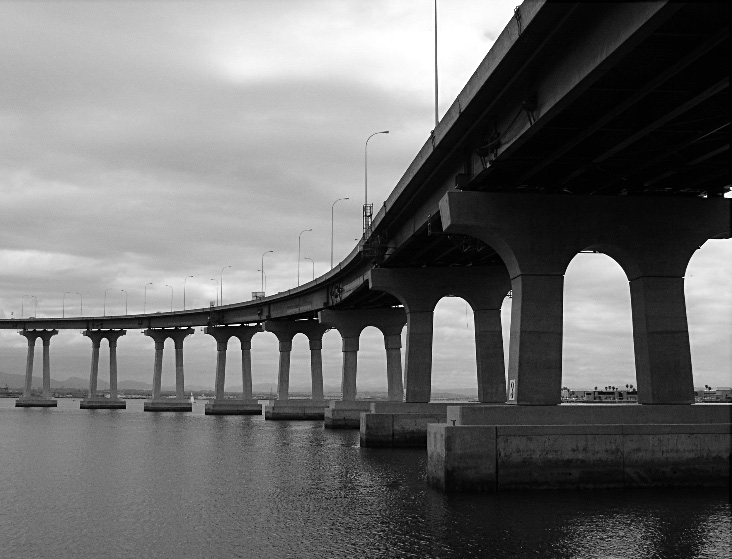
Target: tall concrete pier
{"type": "Point", "coordinates": [27, 400]}
{"type": "Point", "coordinates": [158, 403]}
{"type": "Point", "coordinates": [94, 400]}
{"type": "Point", "coordinates": [346, 413]}
{"type": "Point", "coordinates": [284, 407]}
{"type": "Point", "coordinates": [230, 406]}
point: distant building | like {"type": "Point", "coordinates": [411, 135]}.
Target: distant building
{"type": "Point", "coordinates": [616, 395]}
{"type": "Point", "coordinates": [709, 394]}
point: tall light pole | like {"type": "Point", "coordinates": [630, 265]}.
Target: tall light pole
{"type": "Point", "coordinates": [144, 300]}
{"type": "Point", "coordinates": [222, 283]}
{"type": "Point", "coordinates": [184, 291]}
{"type": "Point", "coordinates": [63, 304]}
{"type": "Point", "coordinates": [104, 311]}
{"type": "Point", "coordinates": [437, 118]}
{"type": "Point", "coordinates": [262, 269]}
{"type": "Point", "coordinates": [217, 290]}
{"type": "Point", "coordinates": [332, 210]}
{"type": "Point", "coordinates": [264, 281]}
{"type": "Point", "coordinates": [313, 263]}
{"type": "Point", "coordinates": [171, 297]}
{"type": "Point", "coordinates": [367, 208]}
{"type": "Point", "coordinates": [125, 292]}
{"type": "Point", "coordinates": [298, 254]}
{"type": "Point", "coordinates": [81, 304]}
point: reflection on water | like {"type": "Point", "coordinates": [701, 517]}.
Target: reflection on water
{"type": "Point", "coordinates": [123, 483]}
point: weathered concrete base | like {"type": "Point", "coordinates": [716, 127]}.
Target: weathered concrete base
{"type": "Point", "coordinates": [581, 447]}
{"type": "Point", "coordinates": [504, 457]}
{"type": "Point", "coordinates": [295, 409]}
{"type": "Point", "coordinates": [401, 424]}
{"type": "Point", "coordinates": [345, 415]}
{"type": "Point", "coordinates": [397, 429]}
{"type": "Point", "coordinates": [35, 402]}
{"type": "Point", "coordinates": [102, 404]}
{"type": "Point", "coordinates": [233, 407]}
{"type": "Point", "coordinates": [168, 404]}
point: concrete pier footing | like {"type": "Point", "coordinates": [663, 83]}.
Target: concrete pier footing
{"type": "Point", "coordinates": [168, 404]}
{"type": "Point", "coordinates": [580, 447]}
{"type": "Point", "coordinates": [233, 407]}
{"type": "Point", "coordinates": [101, 403]}
{"type": "Point", "coordinates": [33, 402]}
{"type": "Point", "coordinates": [345, 414]}
{"type": "Point", "coordinates": [400, 424]}
{"type": "Point", "coordinates": [295, 409]}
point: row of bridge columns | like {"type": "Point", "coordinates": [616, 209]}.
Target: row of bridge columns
{"type": "Point", "coordinates": [349, 323]}
{"type": "Point", "coordinates": [536, 237]}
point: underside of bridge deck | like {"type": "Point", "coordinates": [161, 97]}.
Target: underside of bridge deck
{"type": "Point", "coordinates": [590, 99]}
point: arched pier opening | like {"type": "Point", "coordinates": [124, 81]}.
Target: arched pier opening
{"type": "Point", "coordinates": [597, 344]}
{"type": "Point", "coordinates": [454, 364]}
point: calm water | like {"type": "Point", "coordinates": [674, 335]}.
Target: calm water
{"type": "Point", "coordinates": [80, 483]}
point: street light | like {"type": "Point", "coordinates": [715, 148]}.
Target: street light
{"type": "Point", "coordinates": [184, 291]}
{"type": "Point", "coordinates": [81, 304]}
{"type": "Point", "coordinates": [104, 311]}
{"type": "Point", "coordinates": [144, 301]}
{"type": "Point", "coordinates": [125, 292]}
{"type": "Point", "coordinates": [264, 281]}
{"type": "Point", "coordinates": [222, 283]}
{"type": "Point", "coordinates": [332, 210]}
{"type": "Point", "coordinates": [313, 263]}
{"type": "Point", "coordinates": [298, 254]}
{"type": "Point", "coordinates": [217, 290]}
{"type": "Point", "coordinates": [171, 297]}
{"type": "Point", "coordinates": [262, 269]}
{"type": "Point", "coordinates": [63, 304]}
{"type": "Point", "coordinates": [367, 209]}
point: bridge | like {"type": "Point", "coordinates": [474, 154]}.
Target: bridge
{"type": "Point", "coordinates": [587, 127]}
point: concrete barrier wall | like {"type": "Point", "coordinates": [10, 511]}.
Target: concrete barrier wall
{"type": "Point", "coordinates": [496, 457]}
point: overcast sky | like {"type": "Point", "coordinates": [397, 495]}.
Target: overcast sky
{"type": "Point", "coordinates": [149, 141]}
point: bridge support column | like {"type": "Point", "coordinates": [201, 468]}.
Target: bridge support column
{"type": "Point", "coordinates": [283, 370]}
{"type": "Point", "coordinates": [27, 400]}
{"type": "Point", "coordinates": [537, 236]}
{"type": "Point", "coordinates": [31, 336]}
{"type": "Point", "coordinates": [93, 400]}
{"type": "Point", "coordinates": [661, 340]}
{"type": "Point", "coordinates": [220, 369]}
{"type": "Point", "coordinates": [96, 338]}
{"type": "Point", "coordinates": [233, 406]}
{"type": "Point", "coordinates": [316, 368]}
{"type": "Point", "coordinates": [158, 403]}
{"type": "Point", "coordinates": [349, 369]}
{"type": "Point", "coordinates": [112, 337]}
{"type": "Point", "coordinates": [246, 369]}
{"type": "Point", "coordinates": [419, 290]}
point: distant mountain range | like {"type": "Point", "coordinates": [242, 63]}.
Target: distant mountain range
{"type": "Point", "coordinates": [18, 382]}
